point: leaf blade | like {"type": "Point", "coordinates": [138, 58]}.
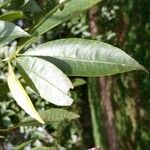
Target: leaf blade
{"type": "Point", "coordinates": [21, 96]}
{"type": "Point", "coordinates": [9, 31]}
{"type": "Point", "coordinates": [51, 83]}
{"type": "Point", "coordinates": [49, 116]}
{"type": "Point", "coordinates": [80, 57]}
{"type": "Point", "coordinates": [70, 10]}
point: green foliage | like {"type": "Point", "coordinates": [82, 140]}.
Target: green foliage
{"type": "Point", "coordinates": [82, 57]}
{"type": "Point", "coordinates": [39, 72]}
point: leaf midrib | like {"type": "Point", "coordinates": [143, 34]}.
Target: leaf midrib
{"type": "Point", "coordinates": [91, 61]}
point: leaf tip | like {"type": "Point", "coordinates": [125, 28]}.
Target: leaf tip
{"type": "Point", "coordinates": [143, 68]}
{"type": "Point", "coordinates": [68, 102]}
{"type": "Point", "coordinates": [41, 121]}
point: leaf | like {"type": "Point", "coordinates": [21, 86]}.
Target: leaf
{"type": "Point", "coordinates": [70, 9]}
{"type": "Point", "coordinates": [51, 83]}
{"type": "Point", "coordinates": [78, 82]}
{"type": "Point", "coordinates": [21, 96]}
{"type": "Point", "coordinates": [49, 116]}
{"type": "Point", "coordinates": [23, 145]}
{"type": "Point", "coordinates": [9, 31]}
{"type": "Point", "coordinates": [12, 15]}
{"type": "Point", "coordinates": [27, 79]}
{"type": "Point", "coordinates": [81, 57]}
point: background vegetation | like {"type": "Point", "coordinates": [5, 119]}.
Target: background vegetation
{"type": "Point", "coordinates": [114, 111]}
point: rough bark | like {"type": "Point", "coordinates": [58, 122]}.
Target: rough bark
{"type": "Point", "coordinates": [105, 84]}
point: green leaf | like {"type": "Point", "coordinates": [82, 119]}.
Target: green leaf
{"type": "Point", "coordinates": [69, 10]}
{"type": "Point", "coordinates": [23, 145]}
{"type": "Point", "coordinates": [78, 82]}
{"type": "Point", "coordinates": [20, 95]}
{"type": "Point", "coordinates": [9, 31]}
{"type": "Point", "coordinates": [12, 15]}
{"type": "Point", "coordinates": [81, 57]}
{"type": "Point", "coordinates": [54, 115]}
{"type": "Point", "coordinates": [49, 116]}
{"type": "Point", "coordinates": [51, 83]}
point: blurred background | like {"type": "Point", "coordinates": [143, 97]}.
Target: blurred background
{"type": "Point", "coordinates": [114, 111]}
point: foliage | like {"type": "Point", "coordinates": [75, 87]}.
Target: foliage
{"type": "Point", "coordinates": [38, 70]}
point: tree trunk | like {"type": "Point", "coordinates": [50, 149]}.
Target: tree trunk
{"type": "Point", "coordinates": [105, 84]}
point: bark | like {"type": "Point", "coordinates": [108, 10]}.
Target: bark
{"type": "Point", "coordinates": [105, 84]}
{"type": "Point", "coordinates": [106, 105]}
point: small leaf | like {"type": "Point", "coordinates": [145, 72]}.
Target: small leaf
{"type": "Point", "coordinates": [82, 57]}
{"type": "Point", "coordinates": [12, 15]}
{"type": "Point", "coordinates": [9, 31]}
{"type": "Point", "coordinates": [51, 83]}
{"type": "Point", "coordinates": [21, 96]}
{"type": "Point", "coordinates": [49, 116]}
{"type": "Point", "coordinates": [23, 145]}
{"type": "Point", "coordinates": [78, 82]}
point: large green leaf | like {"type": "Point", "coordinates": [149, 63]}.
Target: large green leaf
{"type": "Point", "coordinates": [80, 57]}
{"type": "Point", "coordinates": [9, 31]}
{"type": "Point", "coordinates": [51, 83]}
{"type": "Point", "coordinates": [20, 95]}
